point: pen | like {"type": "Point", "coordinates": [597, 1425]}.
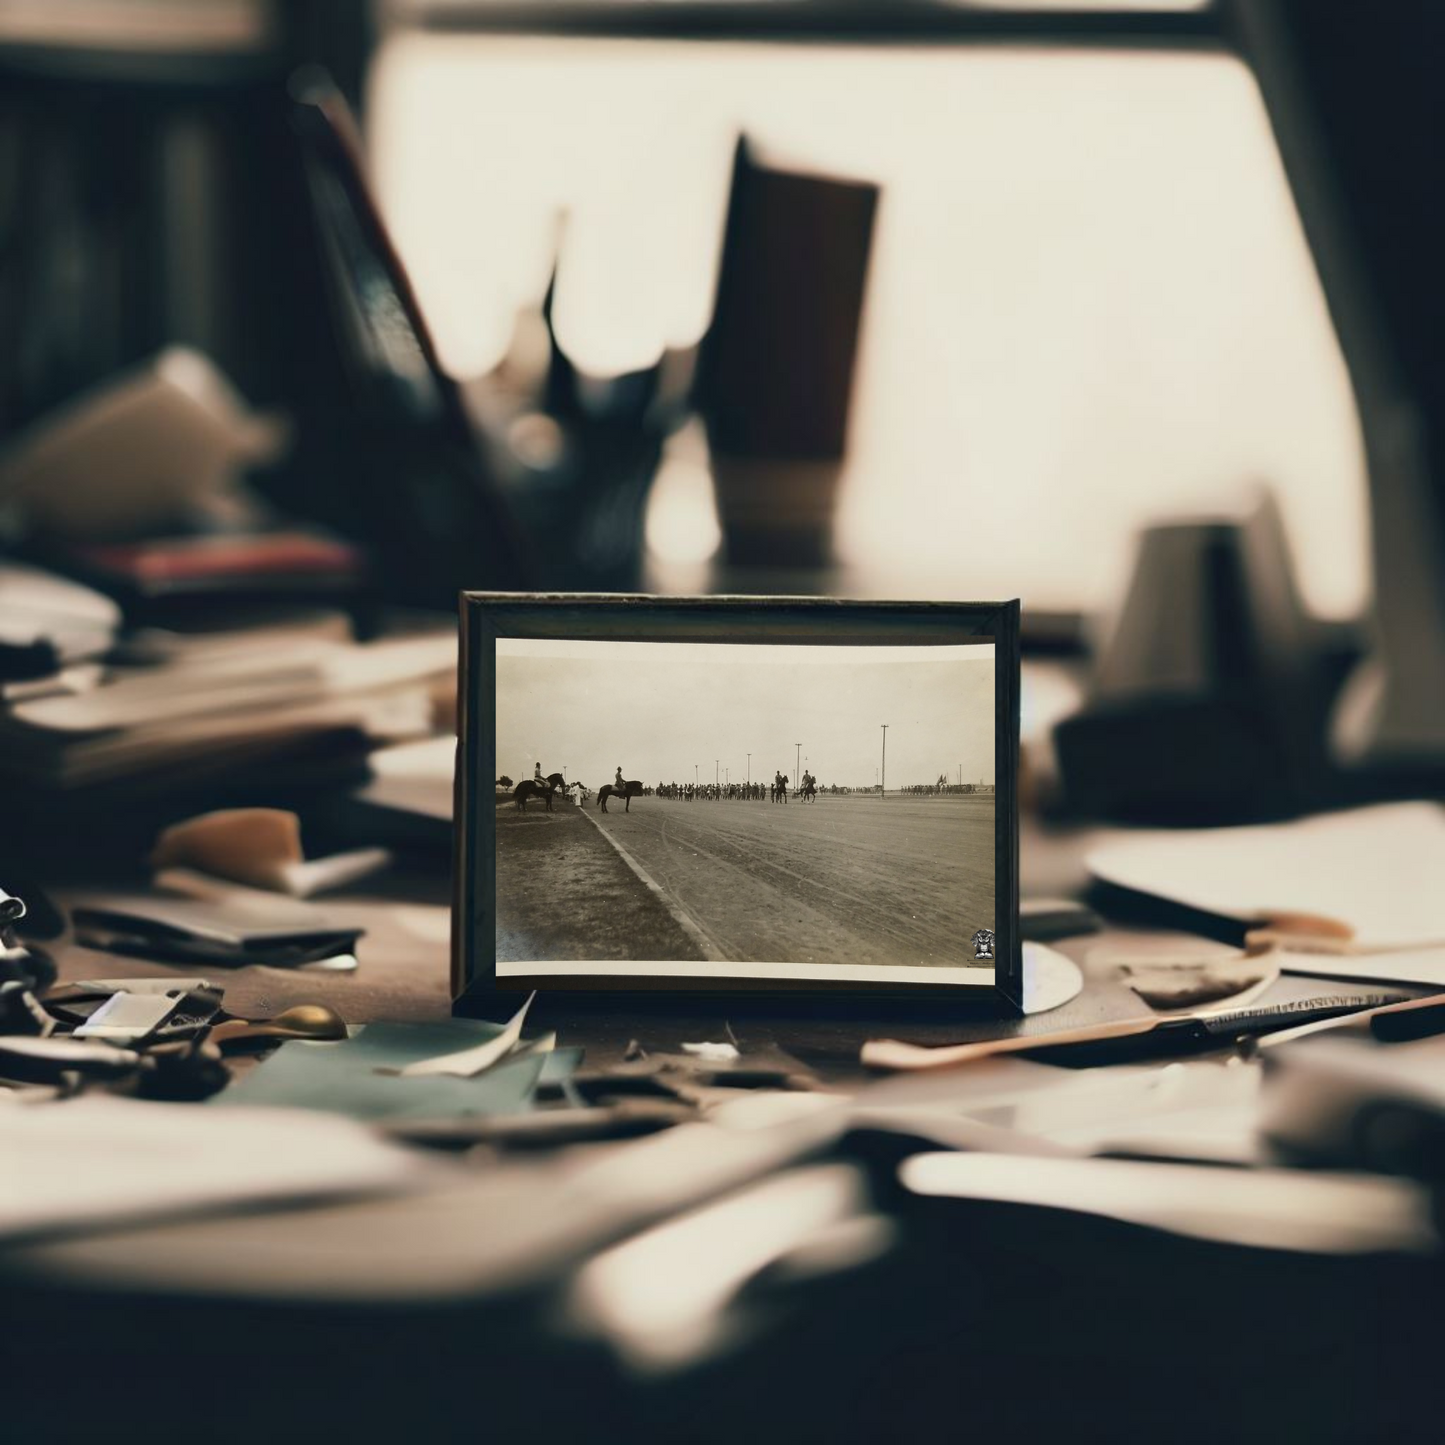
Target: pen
{"type": "Point", "coordinates": [1124, 1039]}
{"type": "Point", "coordinates": [1202, 1032]}
{"type": "Point", "coordinates": [1411, 1018]}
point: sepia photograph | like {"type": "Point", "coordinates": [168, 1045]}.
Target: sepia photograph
{"type": "Point", "coordinates": [745, 811]}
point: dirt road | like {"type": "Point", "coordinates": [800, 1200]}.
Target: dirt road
{"type": "Point", "coordinates": [903, 881]}
{"type": "Point", "coordinates": [564, 892]}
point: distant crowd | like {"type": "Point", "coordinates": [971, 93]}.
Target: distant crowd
{"type": "Point", "coordinates": [749, 792]}
{"type": "Point", "coordinates": [711, 792]}
{"type": "Point", "coordinates": [761, 792]}
{"type": "Point", "coordinates": [941, 789]}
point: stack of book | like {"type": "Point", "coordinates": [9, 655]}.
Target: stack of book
{"type": "Point", "coordinates": [171, 715]}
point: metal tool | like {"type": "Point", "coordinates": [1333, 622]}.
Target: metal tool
{"type": "Point", "coordinates": [43, 1061]}
{"type": "Point", "coordinates": [300, 1021]}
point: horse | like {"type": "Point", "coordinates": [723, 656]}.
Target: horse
{"type": "Point", "coordinates": [631, 788]}
{"type": "Point", "coordinates": [529, 787]}
{"type": "Point", "coordinates": [780, 790]}
{"type": "Point", "coordinates": [808, 792]}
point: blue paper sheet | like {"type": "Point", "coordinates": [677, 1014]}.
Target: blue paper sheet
{"type": "Point", "coordinates": [346, 1076]}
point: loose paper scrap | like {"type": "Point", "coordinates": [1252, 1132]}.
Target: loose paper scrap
{"type": "Point", "coordinates": [1317, 1212]}
{"type": "Point", "coordinates": [1176, 986]}
{"type": "Point", "coordinates": [362, 1076]}
{"type": "Point", "coordinates": [468, 1063]}
{"type": "Point", "coordinates": [96, 1162]}
{"type": "Point", "coordinates": [713, 1053]}
{"type": "Point", "coordinates": [1348, 877]}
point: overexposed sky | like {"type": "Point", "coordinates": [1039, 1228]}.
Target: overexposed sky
{"type": "Point", "coordinates": [658, 710]}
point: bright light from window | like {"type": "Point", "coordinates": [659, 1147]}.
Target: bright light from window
{"type": "Point", "coordinates": [1090, 303]}
{"type": "Point", "coordinates": [682, 523]}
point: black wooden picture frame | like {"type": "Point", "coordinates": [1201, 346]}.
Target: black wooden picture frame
{"type": "Point", "coordinates": [811, 621]}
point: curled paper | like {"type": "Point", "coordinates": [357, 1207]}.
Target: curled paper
{"type": "Point", "coordinates": [468, 1063]}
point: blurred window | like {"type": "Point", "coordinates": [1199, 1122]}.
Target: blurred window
{"type": "Point", "coordinates": [1090, 305]}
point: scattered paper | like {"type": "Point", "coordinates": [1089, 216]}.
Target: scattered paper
{"type": "Point", "coordinates": [1265, 1208]}
{"type": "Point", "coordinates": [542, 1044]}
{"type": "Point", "coordinates": [1050, 978]}
{"type": "Point", "coordinates": [139, 985]}
{"type": "Point", "coordinates": [1195, 1109]}
{"type": "Point", "coordinates": [98, 1162]}
{"type": "Point", "coordinates": [1359, 875]}
{"type": "Point", "coordinates": [661, 1298]}
{"type": "Point", "coordinates": [223, 913]}
{"type": "Point", "coordinates": [713, 1053]}
{"type": "Point", "coordinates": [127, 1017]}
{"type": "Point", "coordinates": [218, 923]}
{"type": "Point", "coordinates": [1172, 986]}
{"type": "Point", "coordinates": [336, 963]}
{"type": "Point", "coordinates": [259, 847]}
{"type": "Point", "coordinates": [364, 1076]}
{"type": "Point", "coordinates": [1414, 965]}
{"type": "Point", "coordinates": [468, 1063]}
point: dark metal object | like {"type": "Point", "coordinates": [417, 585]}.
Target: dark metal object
{"type": "Point", "coordinates": [182, 1072]}
{"type": "Point", "coordinates": [45, 1061]}
{"type": "Point", "coordinates": [1213, 651]}
{"type": "Point", "coordinates": [30, 967]}
{"type": "Point", "coordinates": [1205, 1032]}
{"type": "Point", "coordinates": [21, 1012]}
{"type": "Point", "coordinates": [300, 1021]}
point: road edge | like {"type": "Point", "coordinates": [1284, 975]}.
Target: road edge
{"type": "Point", "coordinates": [712, 953]}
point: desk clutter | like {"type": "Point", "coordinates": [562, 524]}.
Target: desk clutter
{"type": "Point", "coordinates": [1346, 886]}
{"type": "Point", "coordinates": [548, 303]}
{"type": "Point", "coordinates": [1230, 1077]}
{"type": "Point", "coordinates": [241, 699]}
{"type": "Point", "coordinates": [650, 1193]}
{"type": "Point", "coordinates": [112, 724]}
{"type": "Point", "coordinates": [1276, 1086]}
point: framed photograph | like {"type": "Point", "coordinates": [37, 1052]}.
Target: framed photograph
{"type": "Point", "coordinates": [737, 795]}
